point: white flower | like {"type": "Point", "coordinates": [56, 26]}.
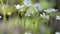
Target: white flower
{"type": "Point", "coordinates": [0, 17]}
{"type": "Point", "coordinates": [27, 2]}
{"type": "Point", "coordinates": [21, 10]}
{"type": "Point", "coordinates": [21, 7]}
{"type": "Point", "coordinates": [50, 10]}
{"type": "Point", "coordinates": [57, 32]}
{"type": "Point", "coordinates": [44, 16]}
{"type": "Point", "coordinates": [27, 14]}
{"type": "Point", "coordinates": [57, 17]}
{"type": "Point", "coordinates": [17, 6]}
{"type": "Point", "coordinates": [27, 33]}
{"type": "Point", "coordinates": [38, 7]}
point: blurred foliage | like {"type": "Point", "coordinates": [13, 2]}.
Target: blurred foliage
{"type": "Point", "coordinates": [33, 20]}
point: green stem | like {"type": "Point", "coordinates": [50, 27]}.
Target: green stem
{"type": "Point", "coordinates": [18, 18]}
{"type": "Point", "coordinates": [24, 24]}
{"type": "Point", "coordinates": [47, 23]}
{"type": "Point", "coordinates": [6, 1]}
{"type": "Point", "coordinates": [8, 31]}
{"type": "Point", "coordinates": [1, 2]}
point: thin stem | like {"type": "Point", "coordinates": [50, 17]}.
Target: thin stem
{"type": "Point", "coordinates": [24, 24]}
{"type": "Point", "coordinates": [1, 2]}
{"type": "Point", "coordinates": [6, 1]}
{"type": "Point", "coordinates": [47, 23]}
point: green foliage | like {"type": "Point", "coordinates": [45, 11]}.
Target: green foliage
{"type": "Point", "coordinates": [32, 22]}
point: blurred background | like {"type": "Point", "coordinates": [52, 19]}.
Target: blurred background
{"type": "Point", "coordinates": [29, 16]}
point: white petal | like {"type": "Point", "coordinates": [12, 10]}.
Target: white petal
{"type": "Point", "coordinates": [0, 17]}
{"type": "Point", "coordinates": [27, 33]}
{"type": "Point", "coordinates": [27, 14]}
{"type": "Point", "coordinates": [17, 6]}
{"type": "Point", "coordinates": [58, 17]}
{"type": "Point", "coordinates": [50, 10]}
{"type": "Point", "coordinates": [57, 32]}
{"type": "Point", "coordinates": [41, 15]}
{"type": "Point", "coordinates": [27, 2]}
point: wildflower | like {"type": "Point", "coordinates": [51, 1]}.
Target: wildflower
{"type": "Point", "coordinates": [38, 7]}
{"type": "Point", "coordinates": [0, 17]}
{"type": "Point", "coordinates": [17, 6]}
{"type": "Point", "coordinates": [27, 14]}
{"type": "Point", "coordinates": [27, 2]}
{"type": "Point", "coordinates": [57, 17]}
{"type": "Point", "coordinates": [21, 7]}
{"type": "Point", "coordinates": [44, 16]}
{"type": "Point", "coordinates": [50, 10]}
{"type": "Point", "coordinates": [57, 32]}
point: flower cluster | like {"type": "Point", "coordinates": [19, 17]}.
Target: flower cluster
{"type": "Point", "coordinates": [57, 17]}
{"type": "Point", "coordinates": [0, 17]}
{"type": "Point", "coordinates": [50, 10]}
{"type": "Point", "coordinates": [27, 3]}
{"type": "Point", "coordinates": [21, 7]}
{"type": "Point", "coordinates": [57, 32]}
{"type": "Point", "coordinates": [44, 16]}
{"type": "Point", "coordinates": [36, 8]}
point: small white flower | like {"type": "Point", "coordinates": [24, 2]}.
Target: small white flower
{"type": "Point", "coordinates": [17, 6]}
{"type": "Point", "coordinates": [57, 32]}
{"type": "Point", "coordinates": [44, 16]}
{"type": "Point", "coordinates": [50, 10]}
{"type": "Point", "coordinates": [38, 7]}
{"type": "Point", "coordinates": [27, 2]}
{"type": "Point", "coordinates": [27, 14]}
{"type": "Point", "coordinates": [58, 17]}
{"type": "Point", "coordinates": [22, 8]}
{"type": "Point", "coordinates": [0, 17]}
{"type": "Point", "coordinates": [54, 10]}
{"type": "Point", "coordinates": [27, 33]}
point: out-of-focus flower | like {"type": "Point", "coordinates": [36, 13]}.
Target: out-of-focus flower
{"type": "Point", "coordinates": [0, 17]}
{"type": "Point", "coordinates": [27, 14]}
{"type": "Point", "coordinates": [44, 16]}
{"type": "Point", "coordinates": [17, 6]}
{"type": "Point", "coordinates": [57, 17]}
{"type": "Point", "coordinates": [21, 7]}
{"type": "Point", "coordinates": [27, 2]}
{"type": "Point", "coordinates": [50, 10]}
{"type": "Point", "coordinates": [57, 32]}
{"type": "Point", "coordinates": [27, 33]}
{"type": "Point", "coordinates": [38, 7]}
